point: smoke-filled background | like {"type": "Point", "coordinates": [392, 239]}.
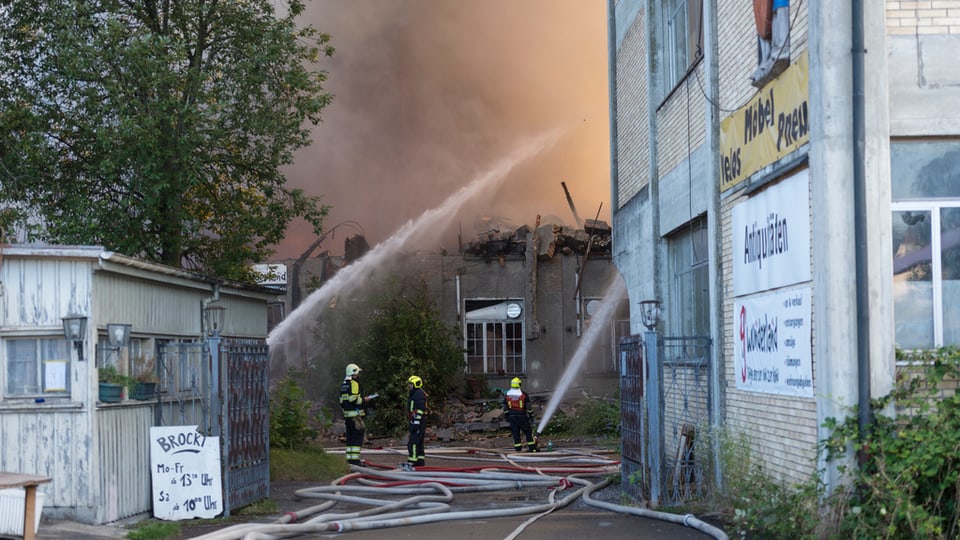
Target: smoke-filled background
{"type": "Point", "coordinates": [430, 93]}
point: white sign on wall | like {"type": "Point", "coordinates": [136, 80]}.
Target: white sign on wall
{"type": "Point", "coordinates": [771, 237]}
{"type": "Point", "coordinates": [772, 343]}
{"type": "Point", "coordinates": [186, 473]}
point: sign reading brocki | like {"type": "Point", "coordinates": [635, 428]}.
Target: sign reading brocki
{"type": "Point", "coordinates": [186, 473]}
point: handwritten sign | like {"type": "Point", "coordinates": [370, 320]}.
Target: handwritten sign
{"type": "Point", "coordinates": [186, 473]}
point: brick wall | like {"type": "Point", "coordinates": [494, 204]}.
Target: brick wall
{"type": "Point", "coordinates": [632, 119]}
{"type": "Point", "coordinates": [923, 17]}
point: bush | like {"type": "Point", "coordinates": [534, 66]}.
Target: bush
{"type": "Point", "coordinates": [907, 486]}
{"type": "Point", "coordinates": [289, 415]}
{"type": "Point", "coordinates": [599, 417]}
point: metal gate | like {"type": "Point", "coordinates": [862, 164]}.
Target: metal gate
{"type": "Point", "coordinates": [221, 386]}
{"type": "Point", "coordinates": [632, 426]}
{"type": "Point", "coordinates": [665, 400]}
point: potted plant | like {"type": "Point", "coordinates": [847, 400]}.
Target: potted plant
{"type": "Point", "coordinates": [145, 381]}
{"type": "Point", "coordinates": [112, 383]}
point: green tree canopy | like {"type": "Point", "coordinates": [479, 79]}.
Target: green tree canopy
{"type": "Point", "coordinates": [158, 129]}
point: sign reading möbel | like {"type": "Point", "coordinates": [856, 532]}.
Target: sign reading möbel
{"type": "Point", "coordinates": [773, 124]}
{"type": "Point", "coordinates": [186, 473]}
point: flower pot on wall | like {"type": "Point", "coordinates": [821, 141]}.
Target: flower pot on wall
{"type": "Point", "coordinates": [144, 391]}
{"type": "Point", "coordinates": [111, 393]}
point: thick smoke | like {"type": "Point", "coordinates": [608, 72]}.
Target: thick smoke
{"type": "Point", "coordinates": [428, 93]}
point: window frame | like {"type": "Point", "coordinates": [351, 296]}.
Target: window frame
{"type": "Point", "coordinates": [934, 208]}
{"type": "Point", "coordinates": [494, 336]}
{"type": "Point", "coordinates": [685, 272]}
{"type": "Point", "coordinates": [64, 353]}
{"type": "Point", "coordinates": [678, 55]}
{"type": "Point", "coordinates": [911, 160]}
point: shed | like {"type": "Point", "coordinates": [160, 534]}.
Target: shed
{"type": "Point", "coordinates": [53, 421]}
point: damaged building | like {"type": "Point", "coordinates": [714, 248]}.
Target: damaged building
{"type": "Point", "coordinates": [523, 299]}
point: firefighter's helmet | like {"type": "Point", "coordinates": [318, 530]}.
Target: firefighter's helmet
{"type": "Point", "coordinates": [352, 369]}
{"type": "Point", "coordinates": [417, 382]}
{"type": "Point", "coordinates": [515, 383]}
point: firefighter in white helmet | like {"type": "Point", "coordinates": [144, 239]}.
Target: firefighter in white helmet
{"type": "Point", "coordinates": [516, 403]}
{"type": "Point", "coordinates": [352, 402]}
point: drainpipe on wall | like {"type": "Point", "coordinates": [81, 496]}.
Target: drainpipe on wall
{"type": "Point", "coordinates": [860, 225]}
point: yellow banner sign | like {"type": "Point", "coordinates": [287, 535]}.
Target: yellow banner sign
{"type": "Point", "coordinates": [773, 124]}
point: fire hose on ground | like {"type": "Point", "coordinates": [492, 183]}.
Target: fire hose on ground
{"type": "Point", "coordinates": [427, 493]}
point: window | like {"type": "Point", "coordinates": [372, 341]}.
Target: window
{"type": "Point", "coordinates": [38, 366]}
{"type": "Point", "coordinates": [689, 291]}
{"type": "Point", "coordinates": [925, 182]}
{"type": "Point", "coordinates": [682, 32]}
{"type": "Point", "coordinates": [493, 335]}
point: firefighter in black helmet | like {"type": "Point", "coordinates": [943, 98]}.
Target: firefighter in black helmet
{"type": "Point", "coordinates": [416, 410]}
{"type": "Point", "coordinates": [516, 403]}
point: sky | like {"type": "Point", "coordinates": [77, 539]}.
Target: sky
{"type": "Point", "coordinates": [429, 94]}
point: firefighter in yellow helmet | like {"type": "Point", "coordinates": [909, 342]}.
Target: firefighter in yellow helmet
{"type": "Point", "coordinates": [352, 402]}
{"type": "Point", "coordinates": [416, 410]}
{"type": "Point", "coordinates": [516, 403]}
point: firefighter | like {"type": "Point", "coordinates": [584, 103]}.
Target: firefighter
{"type": "Point", "coordinates": [516, 403]}
{"type": "Point", "coordinates": [352, 402]}
{"type": "Point", "coordinates": [416, 410]}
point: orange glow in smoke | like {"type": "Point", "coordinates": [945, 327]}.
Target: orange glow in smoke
{"type": "Point", "coordinates": [428, 93]}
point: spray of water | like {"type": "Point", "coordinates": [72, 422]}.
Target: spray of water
{"type": "Point", "coordinates": [357, 273]}
{"type": "Point", "coordinates": [599, 325]}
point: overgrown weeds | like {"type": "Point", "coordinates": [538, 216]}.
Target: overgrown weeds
{"type": "Point", "coordinates": [906, 486]}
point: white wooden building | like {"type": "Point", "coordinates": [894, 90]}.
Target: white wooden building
{"type": "Point", "coordinates": [52, 422]}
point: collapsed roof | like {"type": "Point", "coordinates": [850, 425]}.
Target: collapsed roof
{"type": "Point", "coordinates": [553, 239]}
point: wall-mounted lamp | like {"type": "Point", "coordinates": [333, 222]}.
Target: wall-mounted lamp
{"type": "Point", "coordinates": [75, 330]}
{"type": "Point", "coordinates": [118, 335]}
{"type": "Point", "coordinates": [650, 311]}
{"type": "Point", "coordinates": [213, 317]}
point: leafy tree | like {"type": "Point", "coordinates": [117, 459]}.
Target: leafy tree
{"type": "Point", "coordinates": [392, 333]}
{"type": "Point", "coordinates": [158, 129]}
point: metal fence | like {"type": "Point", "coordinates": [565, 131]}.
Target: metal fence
{"type": "Point", "coordinates": [686, 416]}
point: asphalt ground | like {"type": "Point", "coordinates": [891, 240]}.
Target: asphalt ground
{"type": "Point", "coordinates": [484, 512]}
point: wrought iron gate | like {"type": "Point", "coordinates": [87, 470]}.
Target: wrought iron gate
{"type": "Point", "coordinates": [632, 426]}
{"type": "Point", "coordinates": [665, 401]}
{"type": "Point", "coordinates": [221, 386]}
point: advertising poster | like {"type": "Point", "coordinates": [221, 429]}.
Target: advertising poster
{"type": "Point", "coordinates": [772, 343]}
{"type": "Point", "coordinates": [186, 473]}
{"type": "Point", "coordinates": [771, 237]}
